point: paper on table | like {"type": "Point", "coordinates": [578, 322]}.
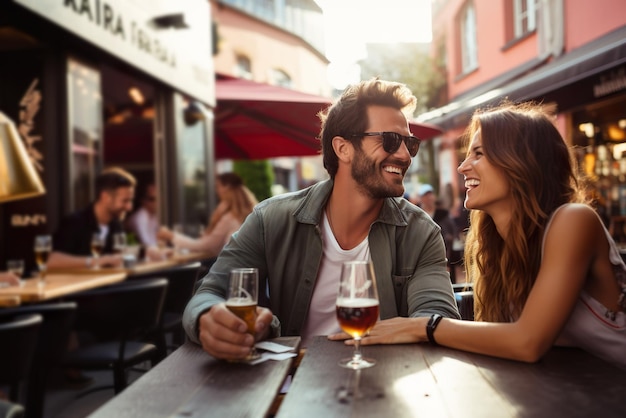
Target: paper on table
{"type": "Point", "coordinates": [272, 351]}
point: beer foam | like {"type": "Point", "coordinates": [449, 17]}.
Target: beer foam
{"type": "Point", "coordinates": [240, 302]}
{"type": "Point", "coordinates": [356, 302]}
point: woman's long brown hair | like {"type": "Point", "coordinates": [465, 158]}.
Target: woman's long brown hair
{"type": "Point", "coordinates": [522, 141]}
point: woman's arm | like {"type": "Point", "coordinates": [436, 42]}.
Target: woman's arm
{"type": "Point", "coordinates": [212, 243]}
{"type": "Point", "coordinates": [571, 245]}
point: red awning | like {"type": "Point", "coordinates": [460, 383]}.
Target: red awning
{"type": "Point", "coordinates": [259, 121]}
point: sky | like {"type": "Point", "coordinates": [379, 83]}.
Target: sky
{"type": "Point", "coordinates": [350, 24]}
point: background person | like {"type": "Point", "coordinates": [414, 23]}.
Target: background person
{"type": "Point", "coordinates": [144, 222]}
{"type": "Point", "coordinates": [236, 202]}
{"type": "Point", "coordinates": [545, 269]}
{"type": "Point", "coordinates": [115, 190]}
{"type": "Point", "coordinates": [298, 241]}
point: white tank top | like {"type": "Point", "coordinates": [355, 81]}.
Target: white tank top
{"type": "Point", "coordinates": [322, 318]}
{"type": "Point", "coordinates": [592, 326]}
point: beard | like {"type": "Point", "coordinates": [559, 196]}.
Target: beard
{"type": "Point", "coordinates": [369, 178]}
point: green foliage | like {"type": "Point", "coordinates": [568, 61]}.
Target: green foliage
{"type": "Point", "coordinates": [407, 63]}
{"type": "Point", "coordinates": [257, 175]}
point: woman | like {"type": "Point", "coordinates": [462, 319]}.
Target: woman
{"type": "Point", "coordinates": [545, 269]}
{"type": "Point", "coordinates": [236, 202]}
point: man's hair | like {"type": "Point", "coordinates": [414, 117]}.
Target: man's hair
{"type": "Point", "coordinates": [112, 179]}
{"type": "Point", "coordinates": [348, 115]}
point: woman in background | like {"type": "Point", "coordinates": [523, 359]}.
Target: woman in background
{"type": "Point", "coordinates": [236, 202]}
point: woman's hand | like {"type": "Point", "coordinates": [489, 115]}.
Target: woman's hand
{"type": "Point", "coordinates": [391, 331]}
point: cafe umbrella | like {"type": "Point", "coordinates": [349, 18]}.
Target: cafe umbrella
{"type": "Point", "coordinates": [259, 121]}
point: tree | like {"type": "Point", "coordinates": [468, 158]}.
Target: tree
{"type": "Point", "coordinates": [407, 63]}
{"type": "Point", "coordinates": [257, 175]}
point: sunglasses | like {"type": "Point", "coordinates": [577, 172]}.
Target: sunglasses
{"type": "Point", "coordinates": [392, 141]}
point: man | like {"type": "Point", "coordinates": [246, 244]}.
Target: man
{"type": "Point", "coordinates": [298, 241]}
{"type": "Point", "coordinates": [115, 190]}
{"type": "Point", "coordinates": [144, 222]}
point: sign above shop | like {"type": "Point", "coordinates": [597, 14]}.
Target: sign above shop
{"type": "Point", "coordinates": [171, 41]}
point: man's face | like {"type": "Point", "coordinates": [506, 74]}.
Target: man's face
{"type": "Point", "coordinates": [119, 201]}
{"type": "Point", "coordinates": [378, 173]}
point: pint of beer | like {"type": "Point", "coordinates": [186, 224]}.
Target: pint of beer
{"type": "Point", "coordinates": [242, 297]}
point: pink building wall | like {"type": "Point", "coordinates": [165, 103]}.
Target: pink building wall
{"type": "Point", "coordinates": [268, 47]}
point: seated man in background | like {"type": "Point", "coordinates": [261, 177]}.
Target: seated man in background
{"type": "Point", "coordinates": [115, 190]}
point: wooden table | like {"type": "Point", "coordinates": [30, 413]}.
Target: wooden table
{"type": "Point", "coordinates": [421, 380]}
{"type": "Point", "coordinates": [8, 301]}
{"type": "Point", "coordinates": [190, 383]}
{"type": "Point", "coordinates": [141, 268]}
{"type": "Point", "coordinates": [60, 284]}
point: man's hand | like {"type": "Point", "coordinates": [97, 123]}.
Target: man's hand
{"type": "Point", "coordinates": [224, 335]}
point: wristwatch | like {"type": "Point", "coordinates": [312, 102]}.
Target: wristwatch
{"type": "Point", "coordinates": [431, 326]}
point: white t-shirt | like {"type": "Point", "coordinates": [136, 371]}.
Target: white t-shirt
{"type": "Point", "coordinates": [321, 318]}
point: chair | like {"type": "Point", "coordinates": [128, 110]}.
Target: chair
{"type": "Point", "coordinates": [465, 303]}
{"type": "Point", "coordinates": [52, 343]}
{"type": "Point", "coordinates": [18, 338]}
{"type": "Point", "coordinates": [116, 316]}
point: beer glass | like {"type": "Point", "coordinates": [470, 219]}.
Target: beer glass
{"type": "Point", "coordinates": [119, 243]}
{"type": "Point", "coordinates": [97, 247]}
{"type": "Point", "coordinates": [16, 267]}
{"type": "Point", "coordinates": [357, 308]}
{"type": "Point", "coordinates": [242, 299]}
{"type": "Point", "coordinates": [43, 247]}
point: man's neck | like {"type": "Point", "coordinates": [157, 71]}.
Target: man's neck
{"type": "Point", "coordinates": [102, 215]}
{"type": "Point", "coordinates": [350, 214]}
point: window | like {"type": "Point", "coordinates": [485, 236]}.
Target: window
{"type": "Point", "coordinates": [243, 68]}
{"type": "Point", "coordinates": [524, 17]}
{"type": "Point", "coordinates": [469, 46]}
{"type": "Point", "coordinates": [281, 78]}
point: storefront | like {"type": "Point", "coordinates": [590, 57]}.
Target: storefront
{"type": "Point", "coordinates": [587, 89]}
{"type": "Point", "coordinates": [94, 83]}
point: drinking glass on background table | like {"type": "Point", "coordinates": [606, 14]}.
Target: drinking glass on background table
{"type": "Point", "coordinates": [97, 247]}
{"type": "Point", "coordinates": [357, 308]}
{"type": "Point", "coordinates": [16, 267]}
{"type": "Point", "coordinates": [241, 299]}
{"type": "Point", "coordinates": [119, 242]}
{"type": "Point", "coordinates": [43, 247]}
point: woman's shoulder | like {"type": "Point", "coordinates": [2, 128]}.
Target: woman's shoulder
{"type": "Point", "coordinates": [575, 218]}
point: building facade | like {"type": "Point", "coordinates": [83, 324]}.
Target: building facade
{"type": "Point", "coordinates": [93, 84]}
{"type": "Point", "coordinates": [567, 54]}
{"type": "Point", "coordinates": [278, 42]}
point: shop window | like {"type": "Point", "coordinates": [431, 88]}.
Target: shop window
{"type": "Point", "coordinates": [243, 67]}
{"type": "Point", "coordinates": [281, 78]}
{"type": "Point", "coordinates": [469, 44]}
{"type": "Point", "coordinates": [85, 130]}
{"type": "Point", "coordinates": [524, 17]}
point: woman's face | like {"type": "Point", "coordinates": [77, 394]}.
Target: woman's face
{"type": "Point", "coordinates": [487, 188]}
{"type": "Point", "coordinates": [220, 189]}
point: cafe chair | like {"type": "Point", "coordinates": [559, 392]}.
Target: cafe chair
{"type": "Point", "coordinates": [182, 281]}
{"type": "Point", "coordinates": [465, 303]}
{"type": "Point", "coordinates": [54, 333]}
{"type": "Point", "coordinates": [18, 338]}
{"type": "Point", "coordinates": [117, 316]}
{"type": "Point", "coordinates": [10, 410]}
{"type": "Point", "coordinates": [181, 284]}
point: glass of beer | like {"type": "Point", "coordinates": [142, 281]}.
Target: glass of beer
{"type": "Point", "coordinates": [242, 299]}
{"type": "Point", "coordinates": [43, 247]}
{"type": "Point", "coordinates": [357, 308]}
{"type": "Point", "coordinates": [119, 243]}
{"type": "Point", "coordinates": [97, 247]}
